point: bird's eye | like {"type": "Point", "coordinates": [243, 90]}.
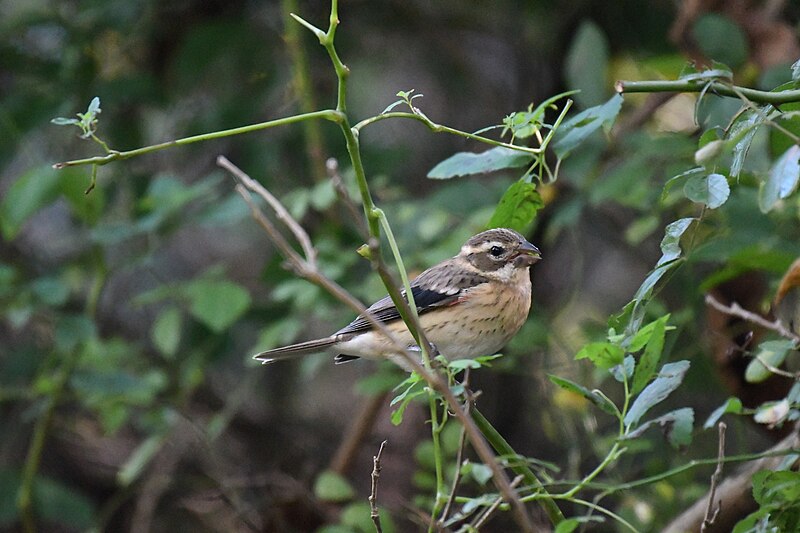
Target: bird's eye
{"type": "Point", "coordinates": [496, 251]}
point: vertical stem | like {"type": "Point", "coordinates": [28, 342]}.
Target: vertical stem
{"type": "Point", "coordinates": [301, 79]}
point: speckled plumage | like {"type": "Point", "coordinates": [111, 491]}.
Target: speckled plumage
{"type": "Point", "coordinates": [469, 305]}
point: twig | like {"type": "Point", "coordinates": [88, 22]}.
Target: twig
{"type": "Point", "coordinates": [373, 494]}
{"type": "Point", "coordinates": [711, 510]}
{"type": "Point", "coordinates": [459, 456]}
{"type": "Point", "coordinates": [714, 87]}
{"type": "Point", "coordinates": [332, 167]}
{"type": "Point", "coordinates": [482, 518]}
{"type": "Point", "coordinates": [736, 310]}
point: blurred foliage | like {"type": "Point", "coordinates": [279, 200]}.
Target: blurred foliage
{"type": "Point", "coordinates": [129, 313]}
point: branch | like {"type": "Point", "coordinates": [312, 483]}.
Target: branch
{"type": "Point", "coordinates": [738, 311]}
{"type": "Point", "coordinates": [373, 494]}
{"type": "Point", "coordinates": [734, 494]}
{"type": "Point", "coordinates": [714, 87]}
{"type": "Point", "coordinates": [711, 511]}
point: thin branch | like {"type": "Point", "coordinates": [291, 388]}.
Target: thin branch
{"type": "Point", "coordinates": [373, 494]}
{"type": "Point", "coordinates": [459, 456]}
{"type": "Point", "coordinates": [738, 311]}
{"type": "Point", "coordinates": [280, 211]}
{"type": "Point", "coordinates": [332, 167]}
{"type": "Point", "coordinates": [482, 518]}
{"type": "Point", "coordinates": [712, 511]}
{"type": "Point", "coordinates": [715, 87]}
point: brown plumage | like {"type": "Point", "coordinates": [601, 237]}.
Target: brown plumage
{"type": "Point", "coordinates": [469, 305]}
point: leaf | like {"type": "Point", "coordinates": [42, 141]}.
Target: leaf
{"type": "Point", "coordinates": [216, 303]}
{"type": "Point", "coordinates": [32, 191]}
{"type": "Point", "coordinates": [782, 179]}
{"type": "Point", "coordinates": [571, 524]}
{"type": "Point", "coordinates": [675, 179]}
{"type": "Point", "coordinates": [139, 459]}
{"type": "Point", "coordinates": [517, 207]}
{"type": "Point", "coordinates": [466, 163]}
{"type": "Point", "coordinates": [668, 380]}
{"type": "Point", "coordinates": [644, 335]}
{"type": "Point", "coordinates": [649, 359]}
{"type": "Point", "coordinates": [63, 121]}
{"type": "Point", "coordinates": [623, 371]}
{"type": "Point", "coordinates": [796, 70]}
{"type": "Point", "coordinates": [742, 133]}
{"type": "Point", "coordinates": [676, 425]}
{"type": "Point", "coordinates": [772, 413]}
{"type": "Point", "coordinates": [604, 355]}
{"type": "Point", "coordinates": [576, 129]}
{"type": "Point", "coordinates": [775, 487]}
{"type": "Point", "coordinates": [640, 300]}
{"type": "Point", "coordinates": [731, 405]}
{"type": "Point", "coordinates": [331, 487]}
{"type": "Point", "coordinates": [480, 473]}
{"type": "Point", "coordinates": [166, 331]}
{"type": "Point", "coordinates": [586, 64]}
{"type": "Point", "coordinates": [720, 38]}
{"type": "Point", "coordinates": [712, 190]}
{"type": "Point", "coordinates": [58, 503]}
{"type": "Point", "coordinates": [670, 244]}
{"type": "Point", "coordinates": [771, 352]}
{"type": "Point", "coordinates": [594, 397]}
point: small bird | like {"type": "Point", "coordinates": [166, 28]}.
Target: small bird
{"type": "Point", "coordinates": [786, 306]}
{"type": "Point", "coordinates": [469, 305]}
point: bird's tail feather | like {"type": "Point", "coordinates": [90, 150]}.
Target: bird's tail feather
{"type": "Point", "coordinates": [294, 350]}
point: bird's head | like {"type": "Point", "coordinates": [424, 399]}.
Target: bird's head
{"type": "Point", "coordinates": [499, 251]}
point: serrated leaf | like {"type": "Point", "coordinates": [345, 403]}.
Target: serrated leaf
{"type": "Point", "coordinates": [467, 163]}
{"type": "Point", "coordinates": [604, 355]}
{"type": "Point", "coordinates": [517, 207]}
{"type": "Point", "coordinates": [731, 405]}
{"type": "Point", "coordinates": [670, 244]}
{"type": "Point", "coordinates": [676, 425]}
{"type": "Point", "coordinates": [651, 356]}
{"type": "Point", "coordinates": [599, 400]}
{"type": "Point", "coordinates": [772, 353]}
{"type": "Point", "coordinates": [712, 190]}
{"type": "Point", "coordinates": [669, 378]}
{"type": "Point", "coordinates": [782, 179]}
{"type": "Point", "coordinates": [166, 331]}
{"type": "Point", "coordinates": [331, 487]}
{"type": "Point", "coordinates": [216, 303]}
{"type": "Point", "coordinates": [576, 129]}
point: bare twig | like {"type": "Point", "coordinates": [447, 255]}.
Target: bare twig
{"type": "Point", "coordinates": [713, 510]}
{"type": "Point", "coordinates": [332, 167]}
{"type": "Point", "coordinates": [373, 494]}
{"type": "Point", "coordinates": [738, 311]}
{"type": "Point", "coordinates": [459, 456]}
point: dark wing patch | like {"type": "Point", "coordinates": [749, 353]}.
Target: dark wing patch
{"type": "Point", "coordinates": [385, 311]}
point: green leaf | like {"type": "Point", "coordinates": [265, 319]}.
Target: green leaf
{"type": "Point", "coordinates": [517, 207]}
{"type": "Point", "coordinates": [594, 397]}
{"type": "Point", "coordinates": [712, 190]}
{"type": "Point", "coordinates": [782, 180]}
{"type": "Point", "coordinates": [651, 356]}
{"type": "Point", "coordinates": [720, 38]}
{"type": "Point", "coordinates": [480, 473]}
{"type": "Point", "coordinates": [331, 487]}
{"type": "Point", "coordinates": [466, 163]}
{"type": "Point", "coordinates": [642, 337]}
{"type": "Point", "coordinates": [776, 487]}
{"type": "Point", "coordinates": [676, 425]}
{"type": "Point", "coordinates": [796, 70]}
{"type": "Point", "coordinates": [462, 364]}
{"type": "Point", "coordinates": [166, 331]}
{"type": "Point", "coordinates": [668, 380]}
{"type": "Point", "coordinates": [576, 129]}
{"type": "Point", "coordinates": [63, 121]}
{"type": "Point", "coordinates": [586, 64]}
{"type": "Point", "coordinates": [604, 355]}
{"type": "Point", "coordinates": [670, 244]}
{"type": "Point", "coordinates": [571, 524]}
{"type": "Point", "coordinates": [32, 191]}
{"type": "Point", "coordinates": [741, 134]}
{"type": "Point", "coordinates": [58, 503]}
{"type": "Point", "coordinates": [731, 405]}
{"type": "Point", "coordinates": [771, 352]}
{"type": "Point", "coordinates": [216, 303]}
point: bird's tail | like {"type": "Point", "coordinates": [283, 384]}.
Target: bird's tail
{"type": "Point", "coordinates": [294, 350]}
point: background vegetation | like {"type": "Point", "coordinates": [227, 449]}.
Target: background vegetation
{"type": "Point", "coordinates": [127, 395]}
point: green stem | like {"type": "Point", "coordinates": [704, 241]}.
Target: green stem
{"type": "Point", "coordinates": [714, 87]}
{"type": "Point", "coordinates": [611, 456]}
{"type": "Point", "coordinates": [502, 447]}
{"type": "Point", "coordinates": [327, 114]}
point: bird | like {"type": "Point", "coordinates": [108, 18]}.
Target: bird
{"type": "Point", "coordinates": [786, 305]}
{"type": "Point", "coordinates": [469, 305]}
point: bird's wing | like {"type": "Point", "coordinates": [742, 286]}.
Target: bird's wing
{"type": "Point", "coordinates": [436, 287]}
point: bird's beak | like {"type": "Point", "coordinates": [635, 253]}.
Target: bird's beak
{"type": "Point", "coordinates": [527, 254]}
